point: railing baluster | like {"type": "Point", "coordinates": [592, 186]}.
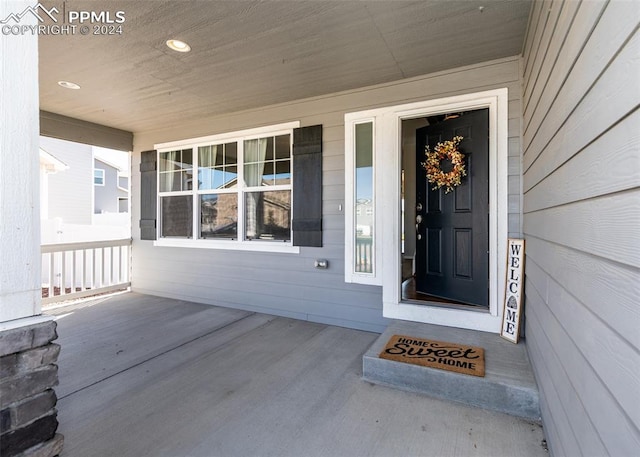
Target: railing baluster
{"type": "Point", "coordinates": [124, 261]}
{"type": "Point", "coordinates": [94, 279]}
{"type": "Point", "coordinates": [51, 275]}
{"type": "Point", "coordinates": [119, 263]}
{"type": "Point", "coordinates": [84, 270]}
{"type": "Point", "coordinates": [104, 268]}
{"type": "Point", "coordinates": [113, 266]}
{"type": "Point", "coordinates": [73, 272]}
{"type": "Point", "coordinates": [63, 276]}
{"type": "Point", "coordinates": [113, 276]}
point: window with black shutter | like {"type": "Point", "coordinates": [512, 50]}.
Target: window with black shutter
{"type": "Point", "coordinates": [246, 190]}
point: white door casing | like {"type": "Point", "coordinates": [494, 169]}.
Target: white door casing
{"type": "Point", "coordinates": [387, 157]}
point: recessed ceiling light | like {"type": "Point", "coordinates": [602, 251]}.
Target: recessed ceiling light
{"type": "Point", "coordinates": [178, 45]}
{"type": "Point", "coordinates": [68, 85]}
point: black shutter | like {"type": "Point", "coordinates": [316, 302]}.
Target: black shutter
{"type": "Point", "coordinates": [148, 195]}
{"type": "Point", "coordinates": [307, 186]}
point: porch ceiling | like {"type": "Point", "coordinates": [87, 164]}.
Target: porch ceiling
{"type": "Point", "coordinates": [247, 54]}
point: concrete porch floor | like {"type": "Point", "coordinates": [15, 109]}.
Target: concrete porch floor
{"type": "Point", "coordinates": [149, 376]}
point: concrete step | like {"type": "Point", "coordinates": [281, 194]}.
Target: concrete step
{"type": "Point", "coordinates": [508, 385]}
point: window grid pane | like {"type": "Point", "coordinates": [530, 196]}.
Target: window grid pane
{"type": "Point", "coordinates": [176, 170]}
{"type": "Point", "coordinates": [217, 166]}
{"type": "Point", "coordinates": [176, 216]}
{"type": "Point", "coordinates": [262, 166]}
{"type": "Point", "coordinates": [268, 215]}
{"type": "Point", "coordinates": [219, 216]}
{"type": "Point", "coordinates": [98, 177]}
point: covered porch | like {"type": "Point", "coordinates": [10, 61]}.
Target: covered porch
{"type": "Point", "coordinates": [143, 375]}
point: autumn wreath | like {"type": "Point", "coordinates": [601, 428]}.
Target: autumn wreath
{"type": "Point", "coordinates": [446, 150]}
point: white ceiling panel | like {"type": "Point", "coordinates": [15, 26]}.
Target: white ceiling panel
{"type": "Point", "coordinates": [246, 54]}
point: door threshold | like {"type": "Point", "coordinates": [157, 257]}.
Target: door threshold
{"type": "Point", "coordinates": [444, 304]}
{"type": "Point", "coordinates": [413, 297]}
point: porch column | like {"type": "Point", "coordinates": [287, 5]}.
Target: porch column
{"type": "Point", "coordinates": [27, 357]}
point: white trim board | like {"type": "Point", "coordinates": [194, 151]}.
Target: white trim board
{"type": "Point", "coordinates": [388, 139]}
{"type": "Point", "coordinates": [221, 137]}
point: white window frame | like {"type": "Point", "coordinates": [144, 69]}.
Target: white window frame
{"type": "Point", "coordinates": [352, 276]}
{"type": "Point", "coordinates": [388, 143]}
{"type": "Point", "coordinates": [239, 244]}
{"type": "Point", "coordinates": [101, 170]}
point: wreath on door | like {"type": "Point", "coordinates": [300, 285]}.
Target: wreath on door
{"type": "Point", "coordinates": [445, 150]}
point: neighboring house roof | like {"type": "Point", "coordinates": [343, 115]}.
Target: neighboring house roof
{"type": "Point", "coordinates": [51, 163]}
{"type": "Point", "coordinates": [106, 162]}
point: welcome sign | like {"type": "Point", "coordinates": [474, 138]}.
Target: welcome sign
{"type": "Point", "coordinates": [435, 354]}
{"type": "Point", "coordinates": [513, 290]}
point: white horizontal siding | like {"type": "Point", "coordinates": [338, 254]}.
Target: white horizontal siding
{"type": "Point", "coordinates": [286, 284]}
{"type": "Point", "coordinates": [71, 190]}
{"type": "Point", "coordinates": [581, 208]}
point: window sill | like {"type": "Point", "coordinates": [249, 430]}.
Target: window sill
{"type": "Point", "coordinates": [230, 245]}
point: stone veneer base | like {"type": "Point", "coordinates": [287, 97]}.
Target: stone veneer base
{"type": "Point", "coordinates": [28, 373]}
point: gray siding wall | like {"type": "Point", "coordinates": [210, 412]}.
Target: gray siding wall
{"type": "Point", "coordinates": [70, 191]}
{"type": "Point", "coordinates": [581, 162]}
{"type": "Point", "coordinates": [286, 284]}
{"type": "Point", "coordinates": [106, 197]}
{"type": "Point", "coordinates": [123, 182]}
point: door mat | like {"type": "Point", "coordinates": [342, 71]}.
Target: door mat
{"type": "Point", "coordinates": [435, 354]}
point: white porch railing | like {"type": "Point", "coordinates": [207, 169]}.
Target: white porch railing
{"type": "Point", "coordinates": [74, 270]}
{"type": "Point", "coordinates": [364, 254]}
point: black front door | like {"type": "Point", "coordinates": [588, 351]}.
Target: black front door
{"type": "Point", "coordinates": [452, 229]}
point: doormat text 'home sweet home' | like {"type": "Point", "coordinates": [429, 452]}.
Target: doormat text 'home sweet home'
{"type": "Point", "coordinates": [435, 354]}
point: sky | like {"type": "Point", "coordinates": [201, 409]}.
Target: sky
{"type": "Point", "coordinates": [118, 158]}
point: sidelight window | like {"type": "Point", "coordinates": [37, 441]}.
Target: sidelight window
{"type": "Point", "coordinates": [360, 203]}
